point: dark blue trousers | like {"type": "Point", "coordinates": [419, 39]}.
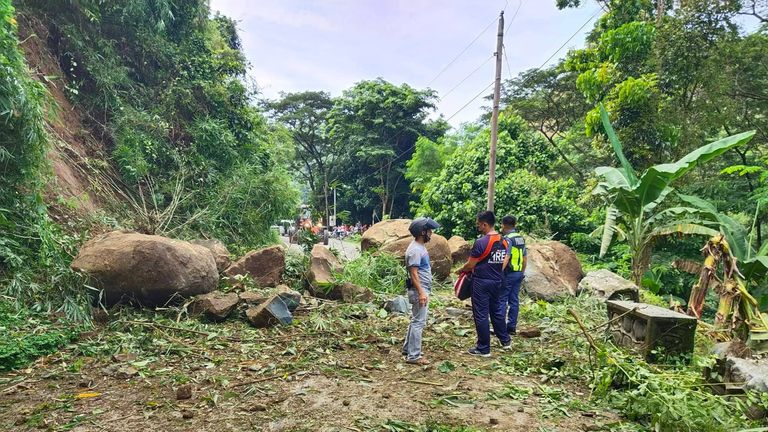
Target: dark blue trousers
{"type": "Point", "coordinates": [486, 301]}
{"type": "Point", "coordinates": [510, 304]}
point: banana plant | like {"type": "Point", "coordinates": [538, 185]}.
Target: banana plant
{"type": "Point", "coordinates": [634, 201]}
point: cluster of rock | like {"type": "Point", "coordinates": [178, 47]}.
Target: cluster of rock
{"type": "Point", "coordinates": [152, 270]}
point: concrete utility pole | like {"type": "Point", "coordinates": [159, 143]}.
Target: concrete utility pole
{"type": "Point", "coordinates": [495, 116]}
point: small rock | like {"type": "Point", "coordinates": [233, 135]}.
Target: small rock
{"type": "Point", "coordinates": [290, 297]}
{"type": "Point", "coordinates": [386, 395]}
{"type": "Point", "coordinates": [257, 407]}
{"type": "Point", "coordinates": [520, 409]}
{"type": "Point", "coordinates": [456, 312]}
{"type": "Point", "coordinates": [273, 311]}
{"type": "Point", "coordinates": [215, 305]}
{"type": "Point", "coordinates": [124, 357]}
{"type": "Point", "coordinates": [253, 297]}
{"type": "Point", "coordinates": [345, 403]}
{"type": "Point", "coordinates": [126, 372]}
{"type": "Point", "coordinates": [186, 414]}
{"type": "Point", "coordinates": [529, 332]}
{"type": "Point", "coordinates": [493, 421]}
{"type": "Point", "coordinates": [398, 305]}
{"type": "Point", "coordinates": [184, 392]}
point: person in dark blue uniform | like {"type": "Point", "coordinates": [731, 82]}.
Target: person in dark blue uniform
{"type": "Point", "coordinates": [514, 271]}
{"type": "Point", "coordinates": [486, 263]}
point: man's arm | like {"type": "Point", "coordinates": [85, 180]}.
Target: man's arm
{"type": "Point", "coordinates": [414, 274]}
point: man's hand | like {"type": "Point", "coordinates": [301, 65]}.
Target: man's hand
{"type": "Point", "coordinates": [423, 299]}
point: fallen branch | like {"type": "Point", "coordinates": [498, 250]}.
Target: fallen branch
{"type": "Point", "coordinates": [584, 330]}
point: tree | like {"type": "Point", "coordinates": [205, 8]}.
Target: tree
{"type": "Point", "coordinates": [544, 206]}
{"type": "Point", "coordinates": [377, 124]}
{"type": "Point", "coordinates": [549, 101]}
{"type": "Point", "coordinates": [305, 116]}
{"type": "Point", "coordinates": [427, 161]}
{"type": "Point", "coordinates": [636, 201]}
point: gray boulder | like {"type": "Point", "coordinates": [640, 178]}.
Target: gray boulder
{"type": "Point", "coordinates": [553, 271]}
{"type": "Point", "coordinates": [607, 285]}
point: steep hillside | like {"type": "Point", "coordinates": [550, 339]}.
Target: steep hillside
{"type": "Point", "coordinates": [126, 115]}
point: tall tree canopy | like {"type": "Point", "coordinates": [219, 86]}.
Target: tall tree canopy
{"type": "Point", "coordinates": [377, 124]}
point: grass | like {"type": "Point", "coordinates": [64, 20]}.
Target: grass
{"type": "Point", "coordinates": [27, 336]}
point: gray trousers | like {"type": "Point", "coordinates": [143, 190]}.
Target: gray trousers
{"type": "Point", "coordinates": [412, 345]}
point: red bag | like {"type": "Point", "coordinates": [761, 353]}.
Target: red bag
{"type": "Point", "coordinates": [463, 286]}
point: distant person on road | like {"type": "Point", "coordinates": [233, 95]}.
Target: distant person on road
{"type": "Point", "coordinates": [486, 262]}
{"type": "Point", "coordinates": [419, 287]}
{"type": "Point", "coordinates": [514, 272]}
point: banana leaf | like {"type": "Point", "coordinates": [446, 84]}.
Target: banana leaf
{"type": "Point", "coordinates": [734, 232]}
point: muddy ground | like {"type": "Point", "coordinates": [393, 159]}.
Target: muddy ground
{"type": "Point", "coordinates": [337, 368]}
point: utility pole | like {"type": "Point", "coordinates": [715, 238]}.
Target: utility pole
{"type": "Point", "coordinates": [495, 116]}
{"type": "Point", "coordinates": [335, 214]}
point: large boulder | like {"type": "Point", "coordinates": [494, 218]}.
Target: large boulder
{"type": "Point", "coordinates": [392, 236]}
{"type": "Point", "coordinates": [265, 266]}
{"type": "Point", "coordinates": [439, 253]}
{"type": "Point", "coordinates": [607, 285]}
{"type": "Point", "coordinates": [383, 232]}
{"type": "Point", "coordinates": [553, 271]}
{"type": "Point", "coordinates": [460, 249]}
{"type": "Point", "coordinates": [219, 251]}
{"type": "Point", "coordinates": [147, 269]}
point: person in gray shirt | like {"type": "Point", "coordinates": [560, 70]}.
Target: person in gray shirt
{"type": "Point", "coordinates": [419, 286]}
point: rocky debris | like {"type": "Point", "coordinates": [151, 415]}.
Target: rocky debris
{"type": "Point", "coordinates": [126, 372]}
{"type": "Point", "coordinates": [124, 357]}
{"type": "Point", "coordinates": [460, 249]}
{"type": "Point", "coordinates": [392, 236]}
{"type": "Point", "coordinates": [151, 270]}
{"type": "Point", "coordinates": [291, 298]}
{"type": "Point", "coordinates": [529, 332]}
{"type": "Point", "coordinates": [219, 251]}
{"type": "Point", "coordinates": [271, 312]}
{"type": "Point", "coordinates": [752, 372]}
{"type": "Point", "coordinates": [184, 392]}
{"type": "Point", "coordinates": [398, 305]}
{"type": "Point", "coordinates": [187, 414]}
{"type": "Point", "coordinates": [265, 266]}
{"type": "Point", "coordinates": [553, 271]}
{"type": "Point", "coordinates": [345, 292]}
{"type": "Point", "coordinates": [323, 265]}
{"type": "Point", "coordinates": [216, 305]}
{"type": "Point", "coordinates": [607, 285]}
{"type": "Point", "coordinates": [456, 312]}
{"type": "Point", "coordinates": [732, 348]}
{"type": "Point", "coordinates": [253, 297]}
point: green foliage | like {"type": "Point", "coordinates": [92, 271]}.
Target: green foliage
{"type": "Point", "coordinates": [427, 161]}
{"type": "Point", "coordinates": [27, 336]}
{"type": "Point", "coordinates": [381, 272]}
{"type": "Point", "coordinates": [637, 201]}
{"type": "Point", "coordinates": [543, 206]}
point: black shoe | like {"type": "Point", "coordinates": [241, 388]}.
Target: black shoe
{"type": "Point", "coordinates": [512, 332]}
{"type": "Point", "coordinates": [477, 352]}
{"type": "Point", "coordinates": [507, 346]}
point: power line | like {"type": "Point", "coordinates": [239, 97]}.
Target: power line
{"type": "Point", "coordinates": [470, 101]}
{"type": "Point", "coordinates": [570, 38]}
{"type": "Point", "coordinates": [466, 77]}
{"type": "Point", "coordinates": [519, 5]}
{"type": "Point", "coordinates": [461, 53]}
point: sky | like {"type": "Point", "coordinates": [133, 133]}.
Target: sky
{"type": "Point", "coordinates": [329, 45]}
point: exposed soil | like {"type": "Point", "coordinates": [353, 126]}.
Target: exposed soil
{"type": "Point", "coordinates": [76, 154]}
{"type": "Point", "coordinates": [337, 368]}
